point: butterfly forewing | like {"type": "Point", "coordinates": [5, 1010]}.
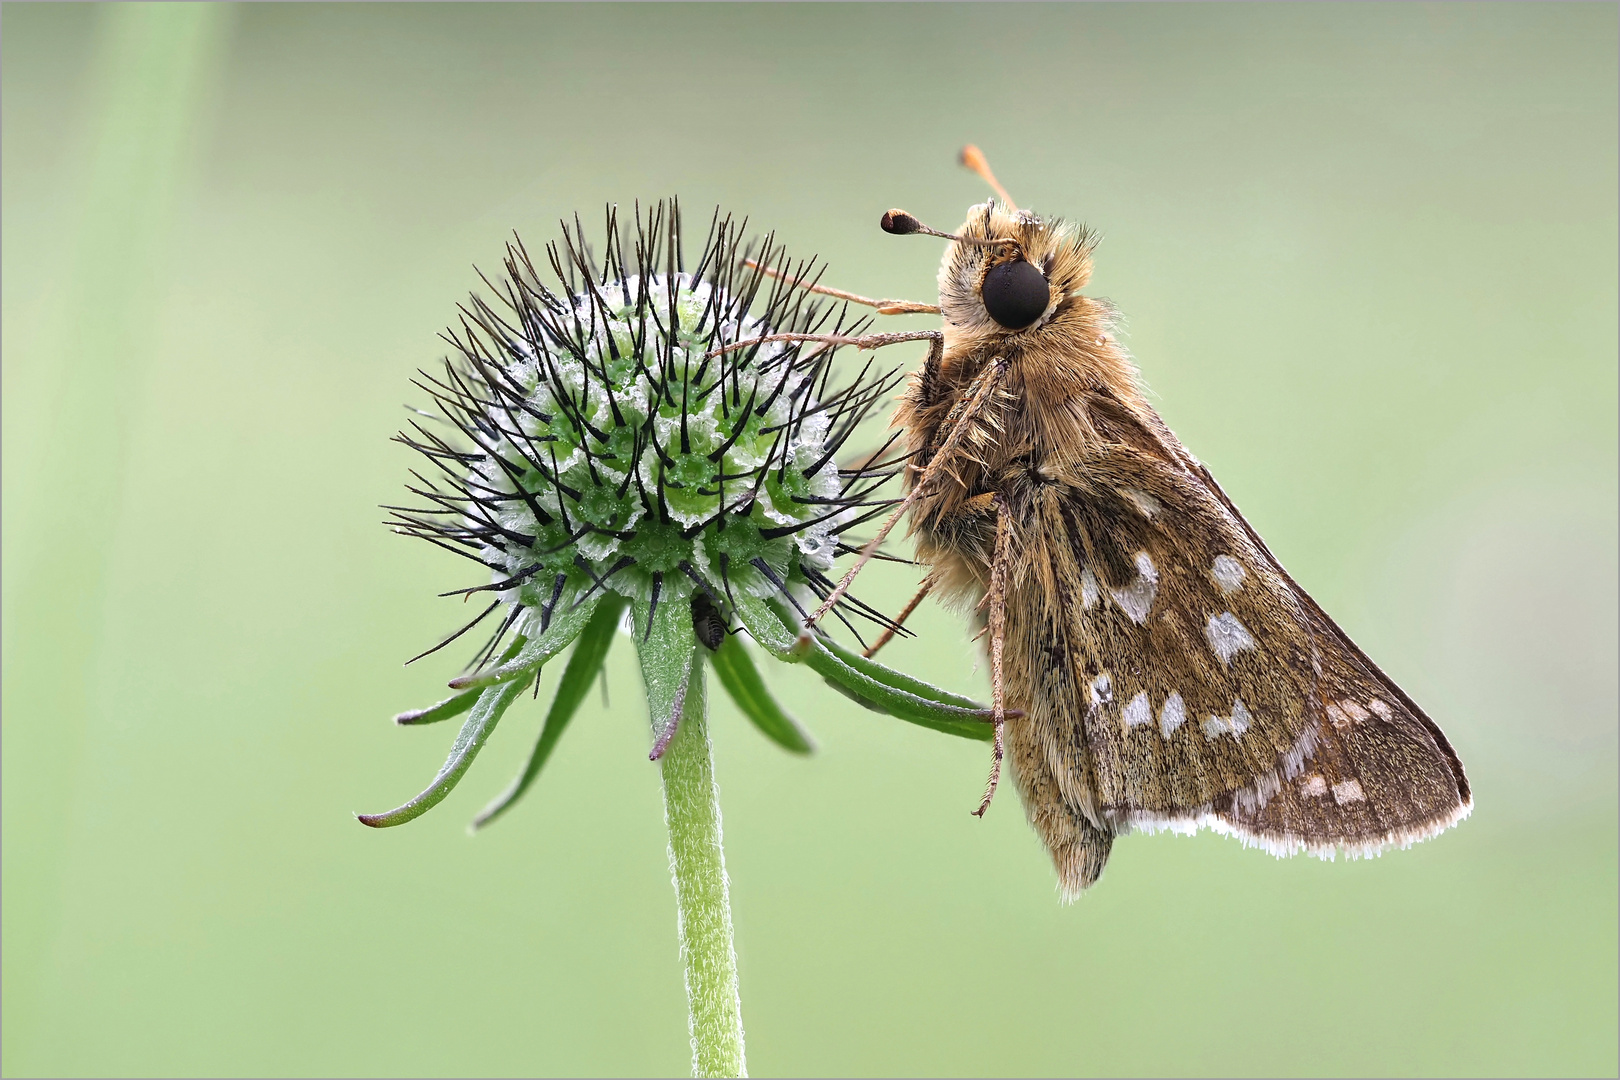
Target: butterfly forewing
{"type": "Point", "coordinates": [1380, 774]}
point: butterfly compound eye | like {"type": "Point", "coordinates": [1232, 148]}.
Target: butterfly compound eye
{"type": "Point", "coordinates": [1015, 294]}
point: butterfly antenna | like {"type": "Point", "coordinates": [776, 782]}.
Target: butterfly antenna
{"type": "Point", "coordinates": [973, 158]}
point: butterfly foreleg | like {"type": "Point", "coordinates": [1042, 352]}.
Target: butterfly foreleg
{"type": "Point", "coordinates": [980, 393]}
{"type": "Point", "coordinates": [995, 599]}
{"type": "Point", "coordinates": [859, 341]}
{"type": "Point", "coordinates": [884, 307]}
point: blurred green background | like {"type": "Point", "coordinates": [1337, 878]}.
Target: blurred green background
{"type": "Point", "coordinates": [1367, 256]}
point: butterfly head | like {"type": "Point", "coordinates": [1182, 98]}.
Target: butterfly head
{"type": "Point", "coordinates": [1011, 273]}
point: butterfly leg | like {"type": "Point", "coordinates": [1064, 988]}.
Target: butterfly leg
{"type": "Point", "coordinates": [996, 601]}
{"type": "Point", "coordinates": [884, 307]}
{"type": "Point", "coordinates": [859, 341]}
{"type": "Point", "coordinates": [981, 390]}
{"type": "Point", "coordinates": [900, 619]}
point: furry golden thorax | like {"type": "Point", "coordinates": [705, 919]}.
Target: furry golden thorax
{"type": "Point", "coordinates": [1071, 346]}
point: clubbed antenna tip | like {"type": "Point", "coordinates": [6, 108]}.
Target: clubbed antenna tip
{"type": "Point", "coordinates": [900, 223]}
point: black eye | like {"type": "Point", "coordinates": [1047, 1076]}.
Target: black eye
{"type": "Point", "coordinates": [1015, 294]}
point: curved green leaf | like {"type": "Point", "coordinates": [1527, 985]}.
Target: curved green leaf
{"type": "Point", "coordinates": [899, 680]}
{"type": "Point", "coordinates": [902, 704]}
{"type": "Point", "coordinates": [765, 627]}
{"type": "Point", "coordinates": [566, 625]}
{"type": "Point", "coordinates": [447, 709]}
{"type": "Point", "coordinates": [863, 702]}
{"type": "Point", "coordinates": [590, 650]}
{"type": "Point", "coordinates": [884, 688]}
{"type": "Point", "coordinates": [474, 733]}
{"type": "Point", "coordinates": [667, 649]}
{"type": "Point", "coordinates": [457, 704]}
{"type": "Point", "coordinates": [741, 679]}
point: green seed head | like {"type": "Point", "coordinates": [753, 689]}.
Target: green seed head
{"type": "Point", "coordinates": [605, 438]}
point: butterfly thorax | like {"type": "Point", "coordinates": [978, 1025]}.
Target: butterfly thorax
{"type": "Point", "coordinates": [1040, 422]}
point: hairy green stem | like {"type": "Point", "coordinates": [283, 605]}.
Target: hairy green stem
{"type": "Point", "coordinates": [697, 863]}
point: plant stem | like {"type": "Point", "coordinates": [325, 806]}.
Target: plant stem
{"type": "Point", "coordinates": [697, 863]}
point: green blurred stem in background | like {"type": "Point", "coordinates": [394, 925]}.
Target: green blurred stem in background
{"type": "Point", "coordinates": [149, 77]}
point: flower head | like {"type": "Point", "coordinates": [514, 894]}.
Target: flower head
{"type": "Point", "coordinates": [608, 440]}
{"type": "Point", "coordinates": [642, 435]}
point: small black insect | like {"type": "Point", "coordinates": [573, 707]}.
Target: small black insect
{"type": "Point", "coordinates": [707, 622]}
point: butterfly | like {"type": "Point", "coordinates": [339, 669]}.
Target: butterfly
{"type": "Point", "coordinates": [1154, 667]}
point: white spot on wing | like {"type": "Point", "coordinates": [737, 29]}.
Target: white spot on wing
{"type": "Point", "coordinates": [1227, 636]}
{"type": "Point", "coordinates": [1136, 599]}
{"type": "Point", "coordinates": [1343, 714]}
{"type": "Point", "coordinates": [1102, 690]}
{"type": "Point", "coordinates": [1228, 574]}
{"type": "Point", "coordinates": [1089, 592]}
{"type": "Point", "coordinates": [1312, 786]}
{"type": "Point", "coordinates": [1234, 725]}
{"type": "Point", "coordinates": [1138, 711]}
{"type": "Point", "coordinates": [1380, 708]}
{"type": "Point", "coordinates": [1173, 715]}
{"type": "Point", "coordinates": [1347, 791]}
{"type": "Point", "coordinates": [1146, 503]}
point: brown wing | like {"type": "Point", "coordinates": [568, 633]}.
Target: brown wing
{"type": "Point", "coordinates": [1198, 684]}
